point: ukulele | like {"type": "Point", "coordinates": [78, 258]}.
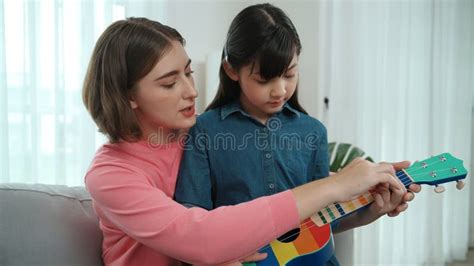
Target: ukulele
{"type": "Point", "coordinates": [311, 243]}
{"type": "Point", "coordinates": [433, 171]}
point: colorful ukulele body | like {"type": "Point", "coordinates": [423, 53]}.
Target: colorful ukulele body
{"type": "Point", "coordinates": [307, 245]}
{"type": "Point", "coordinates": [312, 244]}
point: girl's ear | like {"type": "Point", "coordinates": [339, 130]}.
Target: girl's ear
{"type": "Point", "coordinates": [230, 71]}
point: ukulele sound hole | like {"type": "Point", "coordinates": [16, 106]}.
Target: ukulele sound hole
{"type": "Point", "coordinates": [290, 236]}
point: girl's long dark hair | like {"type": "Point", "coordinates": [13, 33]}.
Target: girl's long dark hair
{"type": "Point", "coordinates": [260, 33]}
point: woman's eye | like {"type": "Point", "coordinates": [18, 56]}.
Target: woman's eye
{"type": "Point", "coordinates": [290, 76]}
{"type": "Point", "coordinates": [169, 86]}
{"type": "Point", "coordinates": [189, 73]}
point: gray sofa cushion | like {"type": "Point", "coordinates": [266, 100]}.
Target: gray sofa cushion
{"type": "Point", "coordinates": [48, 225]}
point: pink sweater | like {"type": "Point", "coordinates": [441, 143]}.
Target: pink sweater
{"type": "Point", "coordinates": [132, 186]}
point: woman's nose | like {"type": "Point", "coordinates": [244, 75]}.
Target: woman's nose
{"type": "Point", "coordinates": [189, 89]}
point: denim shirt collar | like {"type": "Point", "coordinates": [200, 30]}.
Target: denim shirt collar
{"type": "Point", "coordinates": [235, 106]}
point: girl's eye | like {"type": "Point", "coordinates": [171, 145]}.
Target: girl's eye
{"type": "Point", "coordinates": [189, 73]}
{"type": "Point", "coordinates": [261, 81]}
{"type": "Point", "coordinates": [290, 76]}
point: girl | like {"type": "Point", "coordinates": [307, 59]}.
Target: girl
{"type": "Point", "coordinates": [255, 138]}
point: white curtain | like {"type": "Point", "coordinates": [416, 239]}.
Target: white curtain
{"type": "Point", "coordinates": [398, 74]}
{"type": "Point", "coordinates": [46, 135]}
{"type": "Point", "coordinates": [399, 77]}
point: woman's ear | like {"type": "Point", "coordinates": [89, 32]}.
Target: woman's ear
{"type": "Point", "coordinates": [132, 101]}
{"type": "Point", "coordinates": [230, 71]}
{"type": "Point", "coordinates": [133, 104]}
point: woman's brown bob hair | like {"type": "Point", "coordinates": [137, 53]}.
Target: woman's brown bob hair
{"type": "Point", "coordinates": [124, 54]}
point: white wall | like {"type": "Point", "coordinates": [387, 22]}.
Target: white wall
{"type": "Point", "coordinates": [204, 25]}
{"type": "Point", "coordinates": [304, 16]}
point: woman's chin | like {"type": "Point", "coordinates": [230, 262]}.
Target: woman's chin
{"type": "Point", "coordinates": [187, 123]}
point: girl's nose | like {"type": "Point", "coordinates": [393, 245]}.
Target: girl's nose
{"type": "Point", "coordinates": [278, 89]}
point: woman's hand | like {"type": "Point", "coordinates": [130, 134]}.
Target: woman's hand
{"type": "Point", "coordinates": [390, 200]}
{"type": "Point", "coordinates": [360, 175]}
{"type": "Point", "coordinates": [255, 257]}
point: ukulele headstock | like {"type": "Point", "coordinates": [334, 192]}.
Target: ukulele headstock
{"type": "Point", "coordinates": [437, 170]}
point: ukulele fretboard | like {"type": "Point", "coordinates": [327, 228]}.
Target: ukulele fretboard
{"type": "Point", "coordinates": [339, 209]}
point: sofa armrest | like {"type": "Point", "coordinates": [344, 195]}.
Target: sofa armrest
{"type": "Point", "coordinates": [48, 225]}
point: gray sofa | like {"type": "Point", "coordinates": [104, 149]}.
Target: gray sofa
{"type": "Point", "coordinates": [48, 225]}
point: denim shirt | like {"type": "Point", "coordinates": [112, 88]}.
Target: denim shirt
{"type": "Point", "coordinates": [230, 157]}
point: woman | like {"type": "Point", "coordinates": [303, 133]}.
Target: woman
{"type": "Point", "coordinates": [140, 92]}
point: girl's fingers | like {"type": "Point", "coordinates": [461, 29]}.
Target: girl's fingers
{"type": "Point", "coordinates": [402, 207]}
{"type": "Point", "coordinates": [409, 196]}
{"type": "Point", "coordinates": [393, 214]}
{"type": "Point", "coordinates": [414, 188]}
{"type": "Point", "coordinates": [393, 181]}
{"type": "Point", "coordinates": [378, 199]}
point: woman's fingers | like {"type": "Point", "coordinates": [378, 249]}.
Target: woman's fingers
{"type": "Point", "coordinates": [401, 165]}
{"type": "Point", "coordinates": [255, 257]}
{"type": "Point", "coordinates": [361, 175]}
{"type": "Point", "coordinates": [385, 168]}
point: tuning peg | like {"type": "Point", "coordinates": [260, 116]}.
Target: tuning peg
{"type": "Point", "coordinates": [459, 184]}
{"type": "Point", "coordinates": [439, 189]}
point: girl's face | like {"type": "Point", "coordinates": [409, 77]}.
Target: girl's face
{"type": "Point", "coordinates": [164, 99]}
{"type": "Point", "coordinates": [262, 98]}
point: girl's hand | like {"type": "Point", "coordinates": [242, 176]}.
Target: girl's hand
{"type": "Point", "coordinates": [409, 196]}
{"type": "Point", "coordinates": [386, 200]}
{"type": "Point", "coordinates": [393, 202]}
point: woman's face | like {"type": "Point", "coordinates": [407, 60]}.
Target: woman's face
{"type": "Point", "coordinates": [164, 99]}
{"type": "Point", "coordinates": [262, 98]}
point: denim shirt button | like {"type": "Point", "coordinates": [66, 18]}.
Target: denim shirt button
{"type": "Point", "coordinates": [271, 186]}
{"type": "Point", "coordinates": [268, 155]}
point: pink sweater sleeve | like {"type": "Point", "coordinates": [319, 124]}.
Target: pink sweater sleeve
{"type": "Point", "coordinates": [193, 235]}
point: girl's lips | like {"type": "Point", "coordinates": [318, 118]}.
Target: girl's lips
{"type": "Point", "coordinates": [188, 112]}
{"type": "Point", "coordinates": [278, 103]}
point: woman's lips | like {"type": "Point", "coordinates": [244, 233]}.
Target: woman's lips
{"type": "Point", "coordinates": [189, 111]}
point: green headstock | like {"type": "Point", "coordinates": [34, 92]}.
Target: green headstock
{"type": "Point", "coordinates": [436, 170]}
